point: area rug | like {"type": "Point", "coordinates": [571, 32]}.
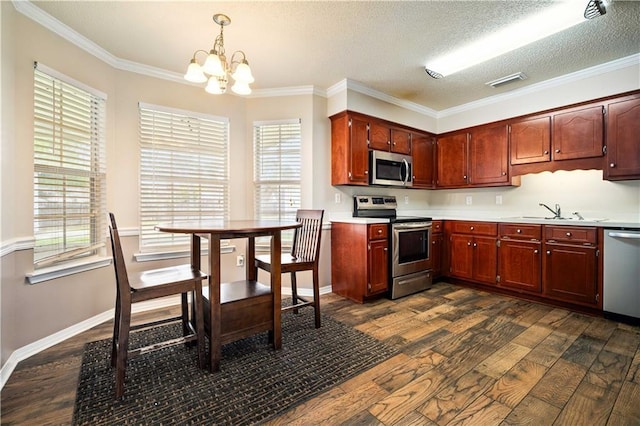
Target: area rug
{"type": "Point", "coordinates": [255, 382]}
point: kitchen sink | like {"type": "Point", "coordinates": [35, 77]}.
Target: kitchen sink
{"type": "Point", "coordinates": [573, 219]}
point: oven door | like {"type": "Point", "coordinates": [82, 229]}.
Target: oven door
{"type": "Point", "coordinates": [410, 248]}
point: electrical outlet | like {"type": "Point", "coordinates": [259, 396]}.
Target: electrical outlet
{"type": "Point", "coordinates": [469, 200]}
{"type": "Point", "coordinates": [406, 199]}
{"type": "Point", "coordinates": [338, 198]}
{"type": "Point", "coordinates": [498, 199]}
{"type": "Point", "coordinates": [240, 260]}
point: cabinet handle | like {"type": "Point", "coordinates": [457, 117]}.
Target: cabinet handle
{"type": "Point", "coordinates": [472, 228]}
{"type": "Point", "coordinates": [504, 173]}
{"type": "Point", "coordinates": [546, 153]}
{"type": "Point", "coordinates": [557, 151]}
{"type": "Point", "coordinates": [475, 244]}
{"type": "Point", "coordinates": [388, 142]}
{"type": "Point", "coordinates": [468, 243]}
{"type": "Point", "coordinates": [433, 242]}
{"type": "Point", "coordinates": [548, 252]}
{"type": "Point", "coordinates": [519, 231]}
{"type": "Point", "coordinates": [366, 172]}
{"type": "Point", "coordinates": [386, 249]}
{"type": "Point", "coordinates": [464, 177]}
{"type": "Point", "coordinates": [568, 234]}
{"type": "Point", "coordinates": [535, 251]}
{"type": "Point", "coordinates": [612, 165]}
{"type": "Point", "coordinates": [379, 231]}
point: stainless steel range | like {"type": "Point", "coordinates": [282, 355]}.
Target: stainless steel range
{"type": "Point", "coordinates": [409, 247]}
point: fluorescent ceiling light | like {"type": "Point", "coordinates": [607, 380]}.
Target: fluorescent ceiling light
{"type": "Point", "coordinates": [550, 21]}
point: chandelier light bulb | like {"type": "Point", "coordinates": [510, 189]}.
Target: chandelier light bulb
{"type": "Point", "coordinates": [213, 86]}
{"type": "Point", "coordinates": [241, 88]}
{"type": "Point", "coordinates": [213, 65]}
{"type": "Point", "coordinates": [243, 73]}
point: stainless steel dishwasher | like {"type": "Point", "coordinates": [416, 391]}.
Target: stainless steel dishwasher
{"type": "Point", "coordinates": [622, 275]}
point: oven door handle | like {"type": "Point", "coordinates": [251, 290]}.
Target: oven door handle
{"type": "Point", "coordinates": [412, 226]}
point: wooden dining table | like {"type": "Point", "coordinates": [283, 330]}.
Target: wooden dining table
{"type": "Point", "coordinates": [241, 308]}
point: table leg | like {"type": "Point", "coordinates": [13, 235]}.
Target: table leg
{"type": "Point", "coordinates": [276, 281]}
{"type": "Point", "coordinates": [195, 264]}
{"type": "Point", "coordinates": [215, 316]}
{"type": "Point", "coordinates": [250, 266]}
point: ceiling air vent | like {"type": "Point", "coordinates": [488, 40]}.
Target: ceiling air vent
{"type": "Point", "coordinates": [507, 79]}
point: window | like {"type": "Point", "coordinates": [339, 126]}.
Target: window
{"type": "Point", "coordinates": [184, 172]}
{"type": "Point", "coordinates": [69, 169]}
{"type": "Point", "coordinates": [277, 170]}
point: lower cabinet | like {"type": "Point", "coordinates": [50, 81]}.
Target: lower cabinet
{"type": "Point", "coordinates": [473, 251]}
{"type": "Point", "coordinates": [519, 261]}
{"type": "Point", "coordinates": [570, 266]}
{"type": "Point", "coordinates": [359, 260]}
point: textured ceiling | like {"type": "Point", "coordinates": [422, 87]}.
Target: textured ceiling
{"type": "Point", "coordinates": [382, 45]}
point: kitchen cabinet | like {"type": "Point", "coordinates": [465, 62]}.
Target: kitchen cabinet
{"type": "Point", "coordinates": [578, 133]}
{"type": "Point", "coordinates": [473, 250]}
{"type": "Point", "coordinates": [384, 137]}
{"type": "Point", "coordinates": [437, 245]}
{"type": "Point", "coordinates": [423, 157]}
{"type": "Point", "coordinates": [570, 266]}
{"type": "Point", "coordinates": [349, 149]}
{"type": "Point", "coordinates": [359, 260]}
{"type": "Point", "coordinates": [520, 257]}
{"type": "Point", "coordinates": [475, 158]}
{"type": "Point", "coordinates": [623, 139]}
{"type": "Point", "coordinates": [530, 140]}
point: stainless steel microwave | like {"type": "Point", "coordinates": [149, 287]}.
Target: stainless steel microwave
{"type": "Point", "coordinates": [390, 169]}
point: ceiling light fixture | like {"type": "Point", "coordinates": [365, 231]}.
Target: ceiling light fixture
{"type": "Point", "coordinates": [550, 21]}
{"type": "Point", "coordinates": [217, 68]}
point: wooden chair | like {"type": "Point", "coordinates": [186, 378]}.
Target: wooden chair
{"type": "Point", "coordinates": [147, 285]}
{"type": "Point", "coordinates": [304, 256]}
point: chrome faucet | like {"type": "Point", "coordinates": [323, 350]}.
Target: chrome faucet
{"type": "Point", "coordinates": [556, 213]}
{"type": "Point", "coordinates": [579, 215]}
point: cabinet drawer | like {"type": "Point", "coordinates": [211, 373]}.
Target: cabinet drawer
{"type": "Point", "coordinates": [378, 231]}
{"type": "Point", "coordinates": [474, 228]}
{"type": "Point", "coordinates": [436, 226]}
{"type": "Point", "coordinates": [519, 231]}
{"type": "Point", "coordinates": [571, 234]}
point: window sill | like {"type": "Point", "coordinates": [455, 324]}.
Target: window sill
{"type": "Point", "coordinates": [148, 257]}
{"type": "Point", "coordinates": [70, 268]}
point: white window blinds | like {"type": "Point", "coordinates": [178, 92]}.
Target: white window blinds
{"type": "Point", "coordinates": [69, 168]}
{"type": "Point", "coordinates": [277, 153]}
{"type": "Point", "coordinates": [184, 172]}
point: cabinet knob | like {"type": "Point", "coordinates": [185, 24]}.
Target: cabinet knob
{"type": "Point", "coordinates": [546, 153]}
{"type": "Point", "coordinates": [468, 243]}
{"type": "Point", "coordinates": [471, 228]}
{"type": "Point", "coordinates": [366, 172]}
{"type": "Point", "coordinates": [388, 142]}
{"type": "Point", "coordinates": [475, 244]}
{"type": "Point", "coordinates": [612, 165]}
{"type": "Point", "coordinates": [464, 177]}
{"type": "Point", "coordinates": [386, 249]}
{"type": "Point", "coordinates": [535, 251]}
{"type": "Point", "coordinates": [568, 234]}
{"type": "Point", "coordinates": [504, 173]}
{"type": "Point", "coordinates": [379, 231]}
{"type": "Point", "coordinates": [548, 252]}
{"type": "Point", "coordinates": [519, 231]}
{"type": "Point", "coordinates": [557, 150]}
{"type": "Point", "coordinates": [433, 242]}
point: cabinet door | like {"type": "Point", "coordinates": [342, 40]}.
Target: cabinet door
{"type": "Point", "coordinates": [520, 265]}
{"type": "Point", "coordinates": [488, 155]}
{"type": "Point", "coordinates": [578, 133]}
{"type": "Point", "coordinates": [461, 260]}
{"type": "Point", "coordinates": [380, 135]}
{"type": "Point", "coordinates": [437, 244]}
{"type": "Point", "coordinates": [359, 152]}
{"type": "Point", "coordinates": [570, 273]}
{"type": "Point", "coordinates": [485, 259]}
{"type": "Point", "coordinates": [378, 267]}
{"type": "Point", "coordinates": [530, 140]}
{"type": "Point", "coordinates": [451, 154]}
{"type": "Point", "coordinates": [401, 141]}
{"type": "Point", "coordinates": [423, 160]}
{"type": "Point", "coordinates": [623, 140]}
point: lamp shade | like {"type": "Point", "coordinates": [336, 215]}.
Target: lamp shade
{"type": "Point", "coordinates": [243, 73]}
{"type": "Point", "coordinates": [213, 86]}
{"type": "Point", "coordinates": [241, 88]}
{"type": "Point", "coordinates": [194, 73]}
{"type": "Point", "coordinates": [213, 66]}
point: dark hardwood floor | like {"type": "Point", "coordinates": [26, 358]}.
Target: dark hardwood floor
{"type": "Point", "coordinates": [466, 357]}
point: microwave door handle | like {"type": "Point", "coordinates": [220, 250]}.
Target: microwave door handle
{"type": "Point", "coordinates": [406, 171]}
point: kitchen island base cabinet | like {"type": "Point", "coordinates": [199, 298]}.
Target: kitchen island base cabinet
{"type": "Point", "coordinates": [359, 260]}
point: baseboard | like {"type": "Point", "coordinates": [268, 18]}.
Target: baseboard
{"type": "Point", "coordinates": [31, 349]}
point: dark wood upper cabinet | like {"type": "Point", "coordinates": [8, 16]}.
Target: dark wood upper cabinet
{"type": "Point", "coordinates": [488, 155]}
{"type": "Point", "coordinates": [452, 154]}
{"type": "Point", "coordinates": [349, 150]}
{"type": "Point", "coordinates": [423, 153]}
{"type": "Point", "coordinates": [578, 133]}
{"type": "Point", "coordinates": [623, 140]}
{"type": "Point", "coordinates": [530, 140]}
{"type": "Point", "coordinates": [384, 137]}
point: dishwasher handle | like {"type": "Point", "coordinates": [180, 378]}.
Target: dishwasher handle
{"type": "Point", "coordinates": [635, 236]}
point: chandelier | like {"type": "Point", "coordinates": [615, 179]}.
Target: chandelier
{"type": "Point", "coordinates": [216, 69]}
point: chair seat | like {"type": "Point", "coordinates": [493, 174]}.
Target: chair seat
{"type": "Point", "coordinates": [288, 263]}
{"type": "Point", "coordinates": [162, 276]}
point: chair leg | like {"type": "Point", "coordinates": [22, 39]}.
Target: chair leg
{"type": "Point", "coordinates": [316, 296]}
{"type": "Point", "coordinates": [123, 349]}
{"type": "Point", "coordinates": [116, 332]}
{"type": "Point", "coordinates": [198, 309]}
{"type": "Point", "coordinates": [294, 291]}
{"type": "Point", "coordinates": [184, 308]}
